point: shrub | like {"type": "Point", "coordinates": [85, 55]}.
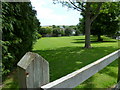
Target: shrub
{"type": "Point", "coordinates": [19, 27]}
{"type": "Point", "coordinates": [44, 31]}
{"type": "Point", "coordinates": [77, 32]}
{"type": "Point", "coordinates": [68, 31]}
{"type": "Point", "coordinates": [56, 32]}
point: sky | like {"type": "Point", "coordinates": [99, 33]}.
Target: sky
{"type": "Point", "coordinates": [54, 14]}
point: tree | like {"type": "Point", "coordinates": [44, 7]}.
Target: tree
{"type": "Point", "coordinates": [81, 25]}
{"type": "Point", "coordinates": [104, 25]}
{"type": "Point", "coordinates": [19, 27]}
{"type": "Point", "coordinates": [53, 26]}
{"type": "Point", "coordinates": [49, 30]}
{"type": "Point", "coordinates": [63, 26]}
{"type": "Point", "coordinates": [45, 30]}
{"type": "Point", "coordinates": [68, 31]}
{"type": "Point", "coordinates": [107, 21]}
{"type": "Point", "coordinates": [56, 32]}
{"type": "Point", "coordinates": [42, 31]}
{"type": "Point", "coordinates": [90, 11]}
{"type": "Point", "coordinates": [77, 32]}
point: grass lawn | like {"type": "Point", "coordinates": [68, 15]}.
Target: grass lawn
{"type": "Point", "coordinates": [65, 55]}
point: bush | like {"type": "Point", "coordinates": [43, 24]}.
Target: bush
{"type": "Point", "coordinates": [44, 31]}
{"type": "Point", "coordinates": [56, 32]}
{"type": "Point", "coordinates": [77, 33]}
{"type": "Point", "coordinates": [62, 32]}
{"type": "Point", "coordinates": [68, 31]}
{"type": "Point", "coordinates": [19, 27]}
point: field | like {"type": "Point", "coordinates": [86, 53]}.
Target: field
{"type": "Point", "coordinates": [65, 55]}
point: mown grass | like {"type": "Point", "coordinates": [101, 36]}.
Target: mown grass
{"type": "Point", "coordinates": [65, 55]}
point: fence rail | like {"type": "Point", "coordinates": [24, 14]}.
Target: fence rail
{"type": "Point", "coordinates": [69, 81]}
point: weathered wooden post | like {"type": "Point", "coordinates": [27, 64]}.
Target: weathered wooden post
{"type": "Point", "coordinates": [33, 71]}
{"type": "Point", "coordinates": [118, 80]}
{"type": "Point", "coordinates": [118, 59]}
{"type": "Point", "coordinates": [117, 87]}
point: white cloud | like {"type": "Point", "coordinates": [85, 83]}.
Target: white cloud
{"type": "Point", "coordinates": [46, 13]}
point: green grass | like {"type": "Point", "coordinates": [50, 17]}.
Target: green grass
{"type": "Point", "coordinates": [106, 78]}
{"type": "Point", "coordinates": [58, 42]}
{"type": "Point", "coordinates": [11, 82]}
{"type": "Point", "coordinates": [65, 55]}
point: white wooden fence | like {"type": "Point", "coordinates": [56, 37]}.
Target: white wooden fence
{"type": "Point", "coordinates": [34, 72]}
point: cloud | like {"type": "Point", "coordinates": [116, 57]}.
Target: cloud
{"type": "Point", "coordinates": [50, 14]}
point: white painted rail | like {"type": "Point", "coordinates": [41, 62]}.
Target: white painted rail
{"type": "Point", "coordinates": [79, 76]}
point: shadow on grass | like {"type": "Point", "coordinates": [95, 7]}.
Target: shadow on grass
{"type": "Point", "coordinates": [11, 82]}
{"type": "Point", "coordinates": [65, 60]}
{"type": "Point", "coordinates": [109, 71]}
{"type": "Point", "coordinates": [106, 78]}
{"type": "Point", "coordinates": [82, 39]}
{"type": "Point", "coordinates": [68, 59]}
{"type": "Point", "coordinates": [93, 41]}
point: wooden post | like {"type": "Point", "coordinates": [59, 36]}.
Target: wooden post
{"type": "Point", "coordinates": [118, 60]}
{"type": "Point", "coordinates": [33, 71]}
{"type": "Point", "coordinates": [118, 70]}
{"type": "Point", "coordinates": [117, 87]}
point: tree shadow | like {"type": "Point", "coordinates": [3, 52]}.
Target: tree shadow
{"type": "Point", "coordinates": [93, 41]}
{"type": "Point", "coordinates": [87, 85]}
{"type": "Point", "coordinates": [107, 70]}
{"type": "Point", "coordinates": [12, 83]}
{"type": "Point", "coordinates": [65, 60]}
{"type": "Point", "coordinates": [91, 83]}
{"type": "Point", "coordinates": [82, 39]}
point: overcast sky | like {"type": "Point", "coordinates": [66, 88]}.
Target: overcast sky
{"type": "Point", "coordinates": [54, 14]}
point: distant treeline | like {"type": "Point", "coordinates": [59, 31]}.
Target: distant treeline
{"type": "Point", "coordinates": [56, 31]}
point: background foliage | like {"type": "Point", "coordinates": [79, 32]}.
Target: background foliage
{"type": "Point", "coordinates": [106, 22]}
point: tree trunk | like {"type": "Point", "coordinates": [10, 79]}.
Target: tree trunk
{"type": "Point", "coordinates": [87, 30]}
{"type": "Point", "coordinates": [89, 18]}
{"type": "Point", "coordinates": [118, 79]}
{"type": "Point", "coordinates": [99, 38]}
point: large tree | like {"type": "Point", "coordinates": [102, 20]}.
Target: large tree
{"type": "Point", "coordinates": [107, 21]}
{"type": "Point", "coordinates": [104, 25]}
{"type": "Point", "coordinates": [90, 11]}
{"type": "Point", "coordinates": [19, 27]}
